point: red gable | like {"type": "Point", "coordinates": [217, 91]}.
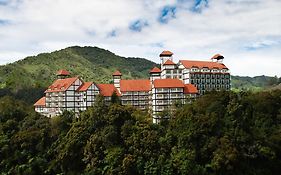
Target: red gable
{"type": "Point", "coordinates": [169, 62]}
{"type": "Point", "coordinates": [117, 73]}
{"type": "Point", "coordinates": [168, 83]}
{"type": "Point", "coordinates": [190, 89]}
{"type": "Point", "coordinates": [155, 70]}
{"type": "Point", "coordinates": [61, 84]}
{"type": "Point", "coordinates": [85, 86]}
{"type": "Point", "coordinates": [63, 72]}
{"type": "Point", "coordinates": [107, 90]}
{"type": "Point", "coordinates": [201, 64]}
{"type": "Point", "coordinates": [41, 102]}
{"type": "Point", "coordinates": [135, 85]}
{"type": "Point", "coordinates": [218, 57]}
{"type": "Point", "coordinates": [166, 53]}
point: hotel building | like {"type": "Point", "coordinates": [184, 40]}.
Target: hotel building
{"type": "Point", "coordinates": [170, 84]}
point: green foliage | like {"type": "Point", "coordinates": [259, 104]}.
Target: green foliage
{"type": "Point", "coordinates": [223, 133]}
{"type": "Point", "coordinates": [255, 84]}
{"type": "Point", "coordinates": [26, 79]}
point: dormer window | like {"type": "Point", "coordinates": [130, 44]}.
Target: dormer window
{"type": "Point", "coordinates": [224, 70]}
{"type": "Point", "coordinates": [205, 70]}
{"type": "Point", "coordinates": [194, 69]}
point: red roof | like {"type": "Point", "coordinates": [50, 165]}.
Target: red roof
{"type": "Point", "coordinates": [61, 84]}
{"type": "Point", "coordinates": [117, 73]}
{"type": "Point", "coordinates": [41, 102]}
{"type": "Point", "coordinates": [201, 64]}
{"type": "Point", "coordinates": [168, 83]}
{"type": "Point", "coordinates": [135, 85]}
{"type": "Point", "coordinates": [107, 90]}
{"type": "Point", "coordinates": [218, 57]}
{"type": "Point", "coordinates": [190, 89]}
{"type": "Point", "coordinates": [85, 86]}
{"type": "Point", "coordinates": [155, 70]}
{"type": "Point", "coordinates": [63, 72]}
{"type": "Point", "coordinates": [169, 62]}
{"type": "Point", "coordinates": [166, 53]}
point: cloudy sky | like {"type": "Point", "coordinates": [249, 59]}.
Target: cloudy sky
{"type": "Point", "coordinates": [246, 32]}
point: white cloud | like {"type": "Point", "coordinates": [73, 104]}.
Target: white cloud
{"type": "Point", "coordinates": [246, 32]}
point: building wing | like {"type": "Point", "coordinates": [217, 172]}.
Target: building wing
{"type": "Point", "coordinates": [135, 85]}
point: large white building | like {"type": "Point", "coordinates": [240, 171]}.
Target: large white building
{"type": "Point", "coordinates": [171, 83]}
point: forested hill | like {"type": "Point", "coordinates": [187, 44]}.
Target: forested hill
{"type": "Point", "coordinates": [90, 63]}
{"type": "Point", "coordinates": [256, 83]}
{"type": "Point", "coordinates": [222, 133]}
{"type": "Point", "coordinates": [27, 79]}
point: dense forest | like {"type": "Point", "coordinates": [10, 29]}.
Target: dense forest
{"type": "Point", "coordinates": [221, 133]}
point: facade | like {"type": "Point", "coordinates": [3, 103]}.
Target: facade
{"type": "Point", "coordinates": [106, 90]}
{"type": "Point", "coordinates": [135, 93]}
{"type": "Point", "coordinates": [205, 75]}
{"type": "Point", "coordinates": [168, 85]}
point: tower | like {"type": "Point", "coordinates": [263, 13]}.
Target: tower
{"type": "Point", "coordinates": [218, 58]}
{"type": "Point", "coordinates": [116, 79]}
{"type": "Point", "coordinates": [155, 73]}
{"type": "Point", "coordinates": [62, 74]}
{"type": "Point", "coordinates": [166, 55]}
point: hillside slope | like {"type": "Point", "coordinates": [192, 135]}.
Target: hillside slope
{"type": "Point", "coordinates": [256, 83]}
{"type": "Point", "coordinates": [90, 63]}
{"type": "Point", "coordinates": [28, 78]}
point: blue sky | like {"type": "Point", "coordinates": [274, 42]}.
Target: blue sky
{"type": "Point", "coordinates": [246, 32]}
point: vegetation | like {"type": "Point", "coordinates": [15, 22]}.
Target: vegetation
{"type": "Point", "coordinates": [220, 133]}
{"type": "Point", "coordinates": [90, 63]}
{"type": "Point", "coordinates": [257, 83]}
{"type": "Point", "coordinates": [28, 78]}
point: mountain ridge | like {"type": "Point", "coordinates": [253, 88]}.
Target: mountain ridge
{"type": "Point", "coordinates": [27, 78]}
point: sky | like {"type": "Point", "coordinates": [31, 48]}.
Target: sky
{"type": "Point", "coordinates": [246, 32]}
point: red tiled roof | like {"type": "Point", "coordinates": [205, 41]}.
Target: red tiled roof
{"type": "Point", "coordinates": [190, 89]}
{"type": "Point", "coordinates": [218, 57]}
{"type": "Point", "coordinates": [225, 73]}
{"type": "Point", "coordinates": [155, 70]}
{"type": "Point", "coordinates": [134, 85]}
{"type": "Point", "coordinates": [168, 83]}
{"type": "Point", "coordinates": [107, 90]}
{"type": "Point", "coordinates": [166, 53]}
{"type": "Point", "coordinates": [117, 73]}
{"type": "Point", "coordinates": [41, 102]}
{"type": "Point", "coordinates": [169, 62]}
{"type": "Point", "coordinates": [63, 72]}
{"type": "Point", "coordinates": [85, 86]}
{"type": "Point", "coordinates": [201, 64]}
{"type": "Point", "coordinates": [61, 84]}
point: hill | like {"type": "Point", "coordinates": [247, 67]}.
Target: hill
{"type": "Point", "coordinates": [26, 79]}
{"type": "Point", "coordinates": [223, 133]}
{"type": "Point", "coordinates": [256, 83]}
{"type": "Point", "coordinates": [91, 63]}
